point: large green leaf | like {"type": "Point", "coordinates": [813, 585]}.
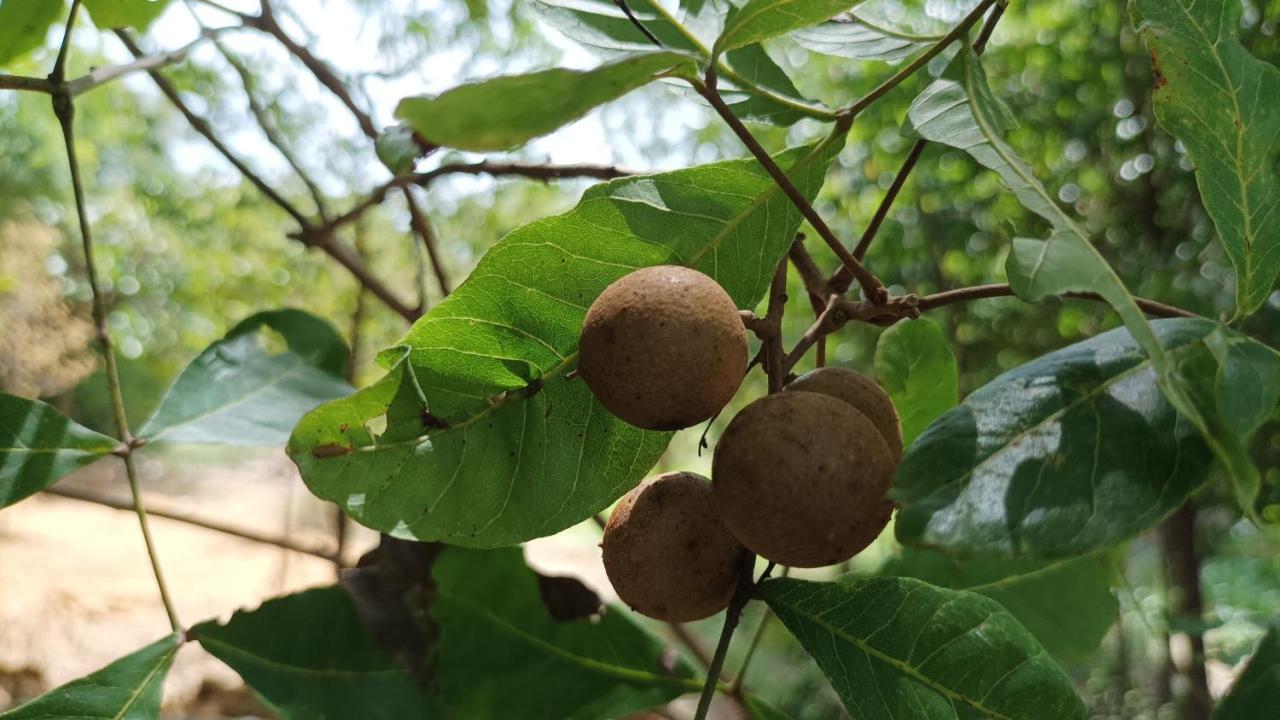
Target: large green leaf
{"type": "Point", "coordinates": [502, 654]}
{"type": "Point", "coordinates": [309, 658]}
{"type": "Point", "coordinates": [602, 25]}
{"type": "Point", "coordinates": [1074, 451]}
{"type": "Point", "coordinates": [1067, 604]}
{"type": "Point", "coordinates": [24, 24]}
{"type": "Point", "coordinates": [1257, 691]}
{"type": "Point", "coordinates": [901, 648]}
{"type": "Point", "coordinates": [759, 20]}
{"type": "Point", "coordinates": [476, 436]}
{"type": "Point", "coordinates": [916, 367]}
{"type": "Point", "coordinates": [960, 110]}
{"type": "Point", "coordinates": [506, 112]}
{"type": "Point", "coordinates": [867, 34]}
{"type": "Point", "coordinates": [130, 688]}
{"type": "Point", "coordinates": [138, 14]}
{"type": "Point", "coordinates": [1220, 101]}
{"type": "Point", "coordinates": [755, 87]}
{"type": "Point", "coordinates": [39, 445]}
{"type": "Point", "coordinates": [252, 386]}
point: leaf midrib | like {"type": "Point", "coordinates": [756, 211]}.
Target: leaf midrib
{"type": "Point", "coordinates": [899, 665]}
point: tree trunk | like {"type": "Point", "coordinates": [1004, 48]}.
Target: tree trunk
{"type": "Point", "coordinates": [1182, 568]}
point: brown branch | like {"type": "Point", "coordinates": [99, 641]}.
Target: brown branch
{"type": "Point", "coordinates": [541, 172]}
{"type": "Point", "coordinates": [773, 353]}
{"type": "Point", "coordinates": [979, 292]}
{"type": "Point", "coordinates": [920, 61]}
{"type": "Point", "coordinates": [422, 228]}
{"type": "Point", "coordinates": [28, 84]}
{"type": "Point", "coordinates": [841, 280]}
{"type": "Point", "coordinates": [308, 233]}
{"type": "Point", "coordinates": [280, 542]}
{"type": "Point", "coordinates": [269, 129]}
{"type": "Point", "coordinates": [266, 22]}
{"type": "Point", "coordinates": [100, 76]}
{"type": "Point", "coordinates": [871, 285]}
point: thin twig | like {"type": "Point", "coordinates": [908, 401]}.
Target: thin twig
{"type": "Point", "coordinates": [100, 76]}
{"type": "Point", "coordinates": [543, 172]}
{"type": "Point", "coordinates": [28, 84]}
{"type": "Point", "coordinates": [626, 9]}
{"type": "Point", "coordinates": [309, 233]}
{"type": "Point", "coordinates": [270, 131]}
{"type": "Point", "coordinates": [979, 292]}
{"type": "Point", "coordinates": [280, 542]}
{"type": "Point", "coordinates": [773, 319]}
{"type": "Point", "coordinates": [871, 285]}
{"type": "Point", "coordinates": [920, 61]}
{"type": "Point", "coordinates": [64, 109]}
{"type": "Point", "coordinates": [59, 72]}
{"type": "Point", "coordinates": [741, 595]}
{"type": "Point", "coordinates": [422, 228]}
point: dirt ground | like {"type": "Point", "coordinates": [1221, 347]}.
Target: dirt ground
{"type": "Point", "coordinates": [76, 590]}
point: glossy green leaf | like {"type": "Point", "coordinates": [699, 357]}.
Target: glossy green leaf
{"type": "Point", "coordinates": [1256, 691]}
{"type": "Point", "coordinates": [139, 14]}
{"type": "Point", "coordinates": [901, 648]}
{"type": "Point", "coordinates": [1066, 604]}
{"type": "Point", "coordinates": [39, 445]}
{"type": "Point", "coordinates": [1220, 102]}
{"type": "Point", "coordinates": [759, 20]}
{"type": "Point", "coordinates": [476, 437]}
{"type": "Point", "coordinates": [961, 111]}
{"type": "Point", "coordinates": [252, 386]}
{"type": "Point", "coordinates": [308, 657]}
{"type": "Point", "coordinates": [751, 83]}
{"type": "Point", "coordinates": [1074, 451]}
{"type": "Point", "coordinates": [915, 365]}
{"type": "Point", "coordinates": [24, 24]}
{"type": "Point", "coordinates": [130, 688]}
{"type": "Point", "coordinates": [502, 654]}
{"type": "Point", "coordinates": [505, 112]}
{"type": "Point", "coordinates": [865, 34]}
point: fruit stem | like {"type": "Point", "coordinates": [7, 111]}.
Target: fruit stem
{"type": "Point", "coordinates": [741, 595]}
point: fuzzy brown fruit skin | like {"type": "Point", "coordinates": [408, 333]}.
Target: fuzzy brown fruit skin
{"type": "Point", "coordinates": [863, 393]}
{"type": "Point", "coordinates": [663, 348]}
{"type": "Point", "coordinates": [800, 479]}
{"type": "Point", "coordinates": [667, 552]}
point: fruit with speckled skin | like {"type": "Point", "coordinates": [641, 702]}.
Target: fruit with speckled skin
{"type": "Point", "coordinates": [667, 552]}
{"type": "Point", "coordinates": [800, 478]}
{"type": "Point", "coordinates": [862, 393]}
{"type": "Point", "coordinates": [663, 348]}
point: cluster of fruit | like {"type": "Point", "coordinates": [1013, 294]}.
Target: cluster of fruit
{"type": "Point", "coordinates": [799, 477]}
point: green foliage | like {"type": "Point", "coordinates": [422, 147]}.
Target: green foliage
{"type": "Point", "coordinates": [897, 647]}
{"type": "Point", "coordinates": [1257, 689]}
{"type": "Point", "coordinates": [866, 35]}
{"type": "Point", "coordinates": [486, 442]}
{"type": "Point", "coordinates": [38, 445]}
{"type": "Point", "coordinates": [1073, 452]}
{"type": "Point", "coordinates": [130, 688]}
{"type": "Point", "coordinates": [23, 25]}
{"type": "Point", "coordinates": [125, 13]}
{"type": "Point", "coordinates": [501, 647]}
{"type": "Point", "coordinates": [251, 387]}
{"type": "Point", "coordinates": [1066, 604]}
{"type": "Point", "coordinates": [759, 20]}
{"type": "Point", "coordinates": [481, 116]}
{"type": "Point", "coordinates": [1220, 101]}
{"type": "Point", "coordinates": [915, 366]}
{"type": "Point", "coordinates": [308, 656]}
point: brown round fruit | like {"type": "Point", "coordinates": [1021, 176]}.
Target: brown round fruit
{"type": "Point", "coordinates": [663, 348]}
{"type": "Point", "coordinates": [667, 552]}
{"type": "Point", "coordinates": [800, 478]}
{"type": "Point", "coordinates": [862, 393]}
